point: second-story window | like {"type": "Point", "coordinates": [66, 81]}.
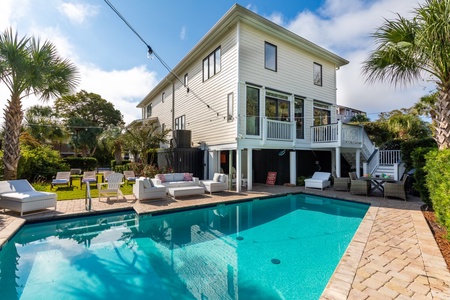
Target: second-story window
{"type": "Point", "coordinates": [180, 123]}
{"type": "Point", "coordinates": [317, 74]}
{"type": "Point", "coordinates": [270, 56]}
{"type": "Point", "coordinates": [149, 111]}
{"type": "Point", "coordinates": [163, 95]}
{"type": "Point", "coordinates": [230, 107]}
{"type": "Point", "coordinates": [277, 106]}
{"type": "Point", "coordinates": [212, 64]}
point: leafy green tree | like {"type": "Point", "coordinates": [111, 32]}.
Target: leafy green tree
{"type": "Point", "coordinates": [28, 67]}
{"type": "Point", "coordinates": [111, 142]}
{"type": "Point", "coordinates": [410, 48]}
{"type": "Point", "coordinates": [43, 124]}
{"type": "Point", "coordinates": [87, 115]}
{"type": "Point", "coordinates": [359, 118]}
{"type": "Point", "coordinates": [140, 139]}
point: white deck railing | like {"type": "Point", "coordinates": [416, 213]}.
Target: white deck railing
{"type": "Point", "coordinates": [279, 130]}
{"type": "Point", "coordinates": [389, 157]}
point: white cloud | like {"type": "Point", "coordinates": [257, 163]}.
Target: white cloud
{"type": "Point", "coordinates": [124, 88]}
{"type": "Point", "coordinates": [183, 33]}
{"type": "Point", "coordinates": [77, 12]}
{"type": "Point", "coordinates": [344, 27]}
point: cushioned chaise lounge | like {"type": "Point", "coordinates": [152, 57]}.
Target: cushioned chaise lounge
{"type": "Point", "coordinates": [219, 183]}
{"type": "Point", "coordinates": [19, 195]}
{"type": "Point", "coordinates": [319, 180]}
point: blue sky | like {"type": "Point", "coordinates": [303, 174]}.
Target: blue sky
{"type": "Point", "coordinates": [113, 62]}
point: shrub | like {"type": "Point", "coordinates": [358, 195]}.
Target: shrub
{"type": "Point", "coordinates": [84, 163]}
{"type": "Point", "coordinates": [408, 147]}
{"type": "Point", "coordinates": [419, 162]}
{"type": "Point", "coordinates": [438, 182]}
{"type": "Point", "coordinates": [39, 162]}
{"type": "Point", "coordinates": [301, 180]}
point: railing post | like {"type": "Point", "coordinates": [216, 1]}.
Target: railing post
{"type": "Point", "coordinates": [365, 168]}
{"type": "Point", "coordinates": [396, 171]}
{"type": "Point", "coordinates": [264, 129]}
{"type": "Point", "coordinates": [339, 133]}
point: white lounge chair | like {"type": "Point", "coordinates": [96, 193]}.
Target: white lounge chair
{"type": "Point", "coordinates": [88, 178]}
{"type": "Point", "coordinates": [129, 176]}
{"type": "Point", "coordinates": [19, 195]}
{"type": "Point", "coordinates": [319, 180]}
{"type": "Point", "coordinates": [112, 187]}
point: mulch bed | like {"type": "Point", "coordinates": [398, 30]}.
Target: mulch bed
{"type": "Point", "coordinates": [439, 232]}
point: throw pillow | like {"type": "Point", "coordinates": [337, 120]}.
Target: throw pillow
{"type": "Point", "coordinates": [187, 176]}
{"type": "Point", "coordinates": [147, 183]}
{"type": "Point", "coordinates": [160, 177]}
{"type": "Point", "coordinates": [216, 177]}
{"type": "Point", "coordinates": [222, 178]}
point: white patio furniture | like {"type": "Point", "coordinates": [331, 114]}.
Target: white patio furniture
{"type": "Point", "coordinates": [186, 191]}
{"type": "Point", "coordinates": [319, 180]}
{"type": "Point", "coordinates": [20, 196]}
{"type": "Point", "coordinates": [144, 189]}
{"type": "Point", "coordinates": [219, 183]}
{"type": "Point", "coordinates": [62, 178]}
{"type": "Point", "coordinates": [111, 187]}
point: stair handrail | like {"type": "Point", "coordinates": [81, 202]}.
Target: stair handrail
{"type": "Point", "coordinates": [88, 198]}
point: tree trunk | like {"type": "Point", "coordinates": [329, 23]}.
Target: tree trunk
{"type": "Point", "coordinates": [442, 129]}
{"type": "Point", "coordinates": [13, 120]}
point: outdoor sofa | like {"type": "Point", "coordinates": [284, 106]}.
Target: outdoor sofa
{"type": "Point", "coordinates": [219, 183]}
{"type": "Point", "coordinates": [144, 189]}
{"type": "Point", "coordinates": [172, 180]}
{"type": "Point", "coordinates": [20, 196]}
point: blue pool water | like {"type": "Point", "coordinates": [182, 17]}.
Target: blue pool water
{"type": "Point", "coordinates": [278, 248]}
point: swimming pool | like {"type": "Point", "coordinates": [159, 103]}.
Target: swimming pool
{"type": "Point", "coordinates": [275, 248]}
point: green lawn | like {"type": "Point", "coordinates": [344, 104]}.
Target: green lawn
{"type": "Point", "coordinates": [74, 192]}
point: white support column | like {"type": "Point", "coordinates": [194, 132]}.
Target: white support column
{"type": "Point", "coordinates": [238, 169]}
{"type": "Point", "coordinates": [249, 169]}
{"type": "Point", "coordinates": [358, 162]}
{"type": "Point", "coordinates": [293, 167]}
{"type": "Point", "coordinates": [338, 162]}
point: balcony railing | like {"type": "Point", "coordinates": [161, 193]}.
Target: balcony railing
{"type": "Point", "coordinates": [279, 130]}
{"type": "Point", "coordinates": [337, 133]}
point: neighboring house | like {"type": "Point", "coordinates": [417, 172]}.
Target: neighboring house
{"type": "Point", "coordinates": [345, 114]}
{"type": "Point", "coordinates": [257, 98]}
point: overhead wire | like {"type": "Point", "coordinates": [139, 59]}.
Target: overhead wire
{"type": "Point", "coordinates": [152, 52]}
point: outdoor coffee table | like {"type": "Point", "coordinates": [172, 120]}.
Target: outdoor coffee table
{"type": "Point", "coordinates": [377, 182]}
{"type": "Point", "coordinates": [186, 191]}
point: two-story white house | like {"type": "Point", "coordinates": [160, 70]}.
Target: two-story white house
{"type": "Point", "coordinates": [257, 98]}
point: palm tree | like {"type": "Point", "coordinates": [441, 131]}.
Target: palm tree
{"type": "Point", "coordinates": [28, 67]}
{"type": "Point", "coordinates": [408, 49]}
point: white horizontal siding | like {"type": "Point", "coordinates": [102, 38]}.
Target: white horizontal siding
{"type": "Point", "coordinates": [294, 67]}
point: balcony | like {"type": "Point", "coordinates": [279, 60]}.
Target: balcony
{"type": "Point", "coordinates": [337, 135]}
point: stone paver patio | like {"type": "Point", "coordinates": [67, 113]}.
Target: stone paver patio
{"type": "Point", "coordinates": [393, 255]}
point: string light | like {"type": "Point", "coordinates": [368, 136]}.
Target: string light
{"type": "Point", "coordinates": [151, 52]}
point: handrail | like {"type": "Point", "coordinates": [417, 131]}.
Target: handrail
{"type": "Point", "coordinates": [87, 198]}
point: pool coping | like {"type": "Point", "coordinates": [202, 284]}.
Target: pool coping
{"type": "Point", "coordinates": [345, 282]}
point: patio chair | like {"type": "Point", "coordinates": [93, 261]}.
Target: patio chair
{"type": "Point", "coordinates": [88, 178]}
{"type": "Point", "coordinates": [112, 187]}
{"type": "Point", "coordinates": [129, 177]}
{"type": "Point", "coordinates": [106, 174]}
{"type": "Point", "coordinates": [62, 178]}
{"type": "Point", "coordinates": [396, 189]}
{"type": "Point", "coordinates": [341, 183]}
{"type": "Point", "coordinates": [319, 180]}
{"type": "Point", "coordinates": [358, 187]}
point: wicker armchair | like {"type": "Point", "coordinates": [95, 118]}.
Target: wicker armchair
{"type": "Point", "coordinates": [341, 183]}
{"type": "Point", "coordinates": [358, 187]}
{"type": "Point", "coordinates": [396, 189]}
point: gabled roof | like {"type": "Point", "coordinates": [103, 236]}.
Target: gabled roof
{"type": "Point", "coordinates": [235, 14]}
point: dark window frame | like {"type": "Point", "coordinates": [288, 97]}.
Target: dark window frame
{"type": "Point", "coordinates": [148, 112]}
{"type": "Point", "coordinates": [266, 58]}
{"type": "Point", "coordinates": [180, 122]}
{"type": "Point", "coordinates": [212, 64]}
{"type": "Point", "coordinates": [317, 74]}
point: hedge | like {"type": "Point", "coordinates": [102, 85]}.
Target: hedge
{"type": "Point", "coordinates": [84, 163]}
{"type": "Point", "coordinates": [438, 183]}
